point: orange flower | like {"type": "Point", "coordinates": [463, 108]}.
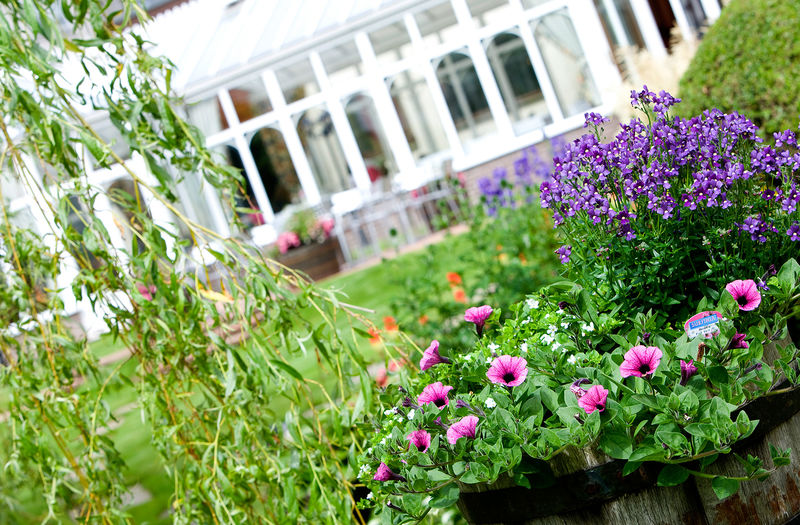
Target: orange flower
{"type": "Point", "coordinates": [459, 296]}
{"type": "Point", "coordinates": [423, 319]}
{"type": "Point", "coordinates": [453, 278]}
{"type": "Point", "coordinates": [375, 335]}
{"type": "Point", "coordinates": [523, 259]}
{"type": "Point", "coordinates": [389, 324]}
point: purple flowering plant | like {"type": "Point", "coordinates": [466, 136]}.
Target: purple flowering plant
{"type": "Point", "coordinates": [662, 214]}
{"type": "Point", "coordinates": [565, 371]}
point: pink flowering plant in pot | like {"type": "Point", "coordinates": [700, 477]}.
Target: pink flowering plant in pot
{"type": "Point", "coordinates": [666, 211]}
{"type": "Point", "coordinates": [566, 371]}
{"type": "Point", "coordinates": [304, 228]}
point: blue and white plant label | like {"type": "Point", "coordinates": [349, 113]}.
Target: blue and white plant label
{"type": "Point", "coordinates": [703, 323]}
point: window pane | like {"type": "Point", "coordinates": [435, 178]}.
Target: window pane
{"type": "Point", "coordinates": [464, 95]}
{"type": "Point", "coordinates": [486, 12]}
{"type": "Point", "coordinates": [566, 63]}
{"type": "Point", "coordinates": [193, 202]}
{"type": "Point", "coordinates": [417, 112]}
{"type": "Point", "coordinates": [122, 196]}
{"type": "Point", "coordinates": [245, 199]}
{"type": "Point", "coordinates": [250, 99]}
{"type": "Point", "coordinates": [438, 24]}
{"type": "Point", "coordinates": [518, 84]}
{"type": "Point", "coordinates": [275, 168]}
{"type": "Point", "coordinates": [324, 152]}
{"type": "Point", "coordinates": [533, 3]}
{"type": "Point", "coordinates": [297, 80]}
{"type": "Point", "coordinates": [342, 62]}
{"type": "Point", "coordinates": [391, 43]}
{"type": "Point", "coordinates": [207, 115]}
{"type": "Point", "coordinates": [12, 186]}
{"type": "Point", "coordinates": [370, 137]}
{"type": "Point", "coordinates": [622, 14]}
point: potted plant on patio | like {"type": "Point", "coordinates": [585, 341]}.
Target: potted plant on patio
{"type": "Point", "coordinates": [308, 245]}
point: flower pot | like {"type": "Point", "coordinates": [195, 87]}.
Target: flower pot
{"type": "Point", "coordinates": [318, 260]}
{"type": "Point", "coordinates": [588, 490]}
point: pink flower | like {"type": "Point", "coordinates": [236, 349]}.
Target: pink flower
{"type": "Point", "coordinates": [465, 427]}
{"type": "Point", "coordinates": [420, 439]}
{"type": "Point", "coordinates": [431, 356]}
{"type": "Point", "coordinates": [435, 393]}
{"type": "Point", "coordinates": [594, 399]}
{"type": "Point", "coordinates": [508, 370]}
{"type": "Point", "coordinates": [745, 293]}
{"type": "Point", "coordinates": [737, 341]}
{"type": "Point", "coordinates": [146, 291]}
{"type": "Point", "coordinates": [478, 315]}
{"type": "Point", "coordinates": [287, 240]}
{"type": "Point", "coordinates": [640, 361]}
{"type": "Point", "coordinates": [687, 371]}
{"type": "Point", "coordinates": [384, 473]}
{"type": "Point", "coordinates": [327, 225]}
{"type": "Point", "coordinates": [576, 389]}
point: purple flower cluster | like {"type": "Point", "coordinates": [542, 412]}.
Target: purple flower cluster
{"type": "Point", "coordinates": [709, 169]}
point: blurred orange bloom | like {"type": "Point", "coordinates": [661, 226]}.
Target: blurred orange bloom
{"type": "Point", "coordinates": [389, 324]}
{"type": "Point", "coordinates": [459, 296]}
{"type": "Point", "coordinates": [375, 335]}
{"type": "Point", "coordinates": [453, 278]}
{"type": "Point", "coordinates": [522, 258]}
{"type": "Point", "coordinates": [381, 377]}
{"type": "Point", "coordinates": [423, 319]}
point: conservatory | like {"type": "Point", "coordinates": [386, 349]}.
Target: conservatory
{"type": "Point", "coordinates": [338, 104]}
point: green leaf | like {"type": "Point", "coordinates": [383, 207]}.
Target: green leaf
{"type": "Point", "coordinates": [631, 466]}
{"type": "Point", "coordinates": [287, 368]}
{"type": "Point", "coordinates": [724, 487]}
{"type": "Point", "coordinates": [616, 444]}
{"type": "Point", "coordinates": [672, 475]}
{"type": "Point", "coordinates": [445, 497]}
{"type": "Point", "coordinates": [718, 375]}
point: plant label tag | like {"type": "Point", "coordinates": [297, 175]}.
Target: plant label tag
{"type": "Point", "coordinates": [704, 323]}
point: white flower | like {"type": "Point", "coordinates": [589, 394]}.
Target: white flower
{"type": "Point", "coordinates": [523, 347]}
{"type": "Point", "coordinates": [493, 346]}
{"type": "Point", "coordinates": [363, 469]}
{"type": "Point", "coordinates": [388, 411]}
{"type": "Point", "coordinates": [490, 403]}
{"type": "Point", "coordinates": [489, 359]}
{"type": "Point", "coordinates": [383, 441]}
{"type": "Point", "coordinates": [572, 359]}
{"type": "Point", "coordinates": [369, 496]}
{"type": "Point", "coordinates": [552, 330]}
{"type": "Point", "coordinates": [547, 339]}
{"type": "Point", "coordinates": [411, 414]}
{"type": "Point", "coordinates": [525, 321]}
{"type": "Point", "coordinates": [532, 303]}
{"type": "Point", "coordinates": [564, 325]}
{"type": "Point", "coordinates": [588, 327]}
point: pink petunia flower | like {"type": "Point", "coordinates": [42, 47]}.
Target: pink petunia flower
{"type": "Point", "coordinates": [745, 293]}
{"type": "Point", "coordinates": [594, 399]}
{"type": "Point", "coordinates": [465, 427]}
{"type": "Point", "coordinates": [435, 393]}
{"type": "Point", "coordinates": [640, 361]}
{"type": "Point", "coordinates": [508, 370]}
{"type": "Point", "coordinates": [420, 439]}
{"type": "Point", "coordinates": [384, 473]}
{"type": "Point", "coordinates": [287, 240]}
{"type": "Point", "coordinates": [431, 356]}
{"type": "Point", "coordinates": [478, 315]}
{"type": "Point", "coordinates": [737, 341]}
{"type": "Point", "coordinates": [687, 371]}
{"type": "Point", "coordinates": [147, 291]}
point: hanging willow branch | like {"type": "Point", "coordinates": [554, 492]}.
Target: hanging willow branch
{"type": "Point", "coordinates": [216, 346]}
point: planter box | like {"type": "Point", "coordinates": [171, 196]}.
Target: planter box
{"type": "Point", "coordinates": [590, 490]}
{"type": "Point", "coordinates": [318, 260]}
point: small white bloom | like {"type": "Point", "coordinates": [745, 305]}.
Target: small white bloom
{"type": "Point", "coordinates": [363, 469]}
{"type": "Point", "coordinates": [489, 359]}
{"type": "Point", "coordinates": [564, 325]}
{"type": "Point", "coordinates": [388, 411]}
{"type": "Point", "coordinates": [547, 339]}
{"type": "Point", "coordinates": [588, 327]}
{"type": "Point", "coordinates": [369, 496]}
{"type": "Point", "coordinates": [532, 303]}
{"type": "Point", "coordinates": [493, 346]}
{"type": "Point", "coordinates": [572, 360]}
{"type": "Point", "coordinates": [525, 321]}
{"type": "Point", "coordinates": [411, 414]}
{"type": "Point", "coordinates": [369, 451]}
{"type": "Point", "coordinates": [490, 403]}
{"type": "Point", "coordinates": [383, 441]}
{"type": "Point", "coordinates": [523, 347]}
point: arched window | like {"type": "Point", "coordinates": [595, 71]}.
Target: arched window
{"type": "Point", "coordinates": [324, 152]}
{"type": "Point", "coordinates": [566, 64]}
{"type": "Point", "coordinates": [275, 168]}
{"type": "Point", "coordinates": [370, 137]}
{"type": "Point", "coordinates": [517, 81]}
{"type": "Point", "coordinates": [464, 95]}
{"type": "Point", "coordinates": [417, 112]}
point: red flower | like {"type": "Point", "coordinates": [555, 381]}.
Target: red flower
{"type": "Point", "coordinates": [459, 296]}
{"type": "Point", "coordinates": [381, 377]}
{"type": "Point", "coordinates": [389, 324]}
{"type": "Point", "coordinates": [423, 319]}
{"type": "Point", "coordinates": [453, 278]}
{"type": "Point", "coordinates": [375, 335]}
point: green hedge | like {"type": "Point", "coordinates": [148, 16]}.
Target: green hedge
{"type": "Point", "coordinates": [749, 61]}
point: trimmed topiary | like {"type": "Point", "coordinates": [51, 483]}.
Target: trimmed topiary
{"type": "Point", "coordinates": [749, 62]}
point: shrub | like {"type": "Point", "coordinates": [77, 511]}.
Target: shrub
{"type": "Point", "coordinates": [748, 62]}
